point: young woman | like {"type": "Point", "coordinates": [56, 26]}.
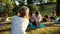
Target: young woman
{"type": "Point", "coordinates": [20, 21]}
{"type": "Point", "coordinates": [37, 18]}
{"type": "Point", "coordinates": [53, 16]}
{"type": "Point", "coordinates": [4, 17]}
{"type": "Point", "coordinates": [32, 23]}
{"type": "Point", "coordinates": [46, 18]}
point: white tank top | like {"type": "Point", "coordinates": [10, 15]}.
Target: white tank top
{"type": "Point", "coordinates": [19, 25]}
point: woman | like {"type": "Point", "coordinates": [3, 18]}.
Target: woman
{"type": "Point", "coordinates": [46, 18]}
{"type": "Point", "coordinates": [37, 18]}
{"type": "Point", "coordinates": [20, 21]}
{"type": "Point", "coordinates": [32, 23]}
{"type": "Point", "coordinates": [4, 17]}
{"type": "Point", "coordinates": [53, 16]}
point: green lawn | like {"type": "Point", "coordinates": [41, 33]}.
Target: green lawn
{"type": "Point", "coordinates": [51, 28]}
{"type": "Point", "coordinates": [48, 9]}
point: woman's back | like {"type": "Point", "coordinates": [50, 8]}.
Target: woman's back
{"type": "Point", "coordinates": [19, 25]}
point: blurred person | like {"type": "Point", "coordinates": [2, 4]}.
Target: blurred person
{"type": "Point", "coordinates": [53, 16]}
{"type": "Point", "coordinates": [5, 17]}
{"type": "Point", "coordinates": [46, 18]}
{"type": "Point", "coordinates": [37, 18]}
{"type": "Point", "coordinates": [20, 21]}
{"type": "Point", "coordinates": [32, 21]}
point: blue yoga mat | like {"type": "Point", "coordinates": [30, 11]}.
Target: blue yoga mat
{"type": "Point", "coordinates": [32, 26]}
{"type": "Point", "coordinates": [40, 26]}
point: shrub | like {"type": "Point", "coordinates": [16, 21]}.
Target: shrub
{"type": "Point", "coordinates": [33, 8]}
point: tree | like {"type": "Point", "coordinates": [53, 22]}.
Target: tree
{"type": "Point", "coordinates": [58, 8]}
{"type": "Point", "coordinates": [33, 8]}
{"type": "Point", "coordinates": [0, 1]}
{"type": "Point", "coordinates": [9, 5]}
{"type": "Point", "coordinates": [42, 5]}
{"type": "Point", "coordinates": [51, 1]}
{"type": "Point", "coordinates": [22, 2]}
{"type": "Point", "coordinates": [29, 2]}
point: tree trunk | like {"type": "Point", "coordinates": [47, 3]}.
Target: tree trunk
{"type": "Point", "coordinates": [58, 8]}
{"type": "Point", "coordinates": [29, 1]}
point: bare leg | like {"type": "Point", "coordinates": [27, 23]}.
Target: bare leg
{"type": "Point", "coordinates": [37, 24]}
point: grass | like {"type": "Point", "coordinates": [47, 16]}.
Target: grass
{"type": "Point", "coordinates": [51, 28]}
{"type": "Point", "coordinates": [48, 30]}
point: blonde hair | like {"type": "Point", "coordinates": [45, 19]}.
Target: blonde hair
{"type": "Point", "coordinates": [23, 10]}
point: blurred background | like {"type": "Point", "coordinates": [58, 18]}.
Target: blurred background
{"type": "Point", "coordinates": [44, 6]}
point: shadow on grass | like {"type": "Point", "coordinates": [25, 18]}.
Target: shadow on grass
{"type": "Point", "coordinates": [7, 23]}
{"type": "Point", "coordinates": [9, 29]}
{"type": "Point", "coordinates": [48, 25]}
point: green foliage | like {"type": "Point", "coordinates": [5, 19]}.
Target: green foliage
{"type": "Point", "coordinates": [8, 7]}
{"type": "Point", "coordinates": [33, 8]}
{"type": "Point", "coordinates": [50, 29]}
{"type": "Point", "coordinates": [51, 0]}
{"type": "Point", "coordinates": [0, 1]}
{"type": "Point", "coordinates": [39, 1]}
{"type": "Point", "coordinates": [5, 1]}
{"type": "Point", "coordinates": [22, 2]}
{"type": "Point", "coordinates": [29, 1]}
{"type": "Point", "coordinates": [48, 9]}
{"type": "Point", "coordinates": [42, 7]}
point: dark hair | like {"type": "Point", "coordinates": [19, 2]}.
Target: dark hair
{"type": "Point", "coordinates": [53, 12]}
{"type": "Point", "coordinates": [31, 14]}
{"type": "Point", "coordinates": [46, 16]}
{"type": "Point", "coordinates": [37, 12]}
{"type": "Point", "coordinates": [5, 14]}
{"type": "Point", "coordinates": [16, 13]}
{"type": "Point", "coordinates": [22, 11]}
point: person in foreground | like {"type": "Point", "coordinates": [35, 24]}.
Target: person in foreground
{"type": "Point", "coordinates": [20, 21]}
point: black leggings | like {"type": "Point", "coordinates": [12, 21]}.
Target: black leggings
{"type": "Point", "coordinates": [34, 23]}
